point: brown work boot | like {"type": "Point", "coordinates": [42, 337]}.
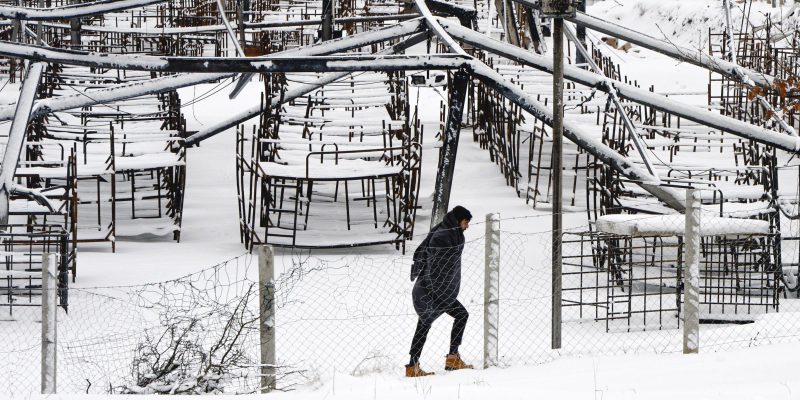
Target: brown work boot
{"type": "Point", "coordinates": [414, 371]}
{"type": "Point", "coordinates": [454, 362]}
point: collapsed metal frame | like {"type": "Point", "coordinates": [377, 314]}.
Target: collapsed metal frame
{"type": "Point", "coordinates": [448, 34]}
{"type": "Point", "coordinates": [275, 203]}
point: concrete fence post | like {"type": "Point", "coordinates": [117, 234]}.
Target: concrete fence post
{"type": "Point", "coordinates": [491, 291]}
{"type": "Point", "coordinates": [691, 274]}
{"type": "Point", "coordinates": [266, 285]}
{"type": "Point", "coordinates": [49, 326]}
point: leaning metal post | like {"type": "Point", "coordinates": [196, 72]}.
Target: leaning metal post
{"type": "Point", "coordinates": [447, 155]}
{"type": "Point", "coordinates": [16, 137]}
{"type": "Point", "coordinates": [327, 19]}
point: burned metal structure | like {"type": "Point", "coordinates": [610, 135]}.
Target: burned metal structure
{"type": "Point", "coordinates": [98, 143]}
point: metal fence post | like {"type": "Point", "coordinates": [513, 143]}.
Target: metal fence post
{"type": "Point", "coordinates": [691, 274]}
{"type": "Point", "coordinates": [49, 309]}
{"type": "Point", "coordinates": [491, 291]}
{"type": "Point", "coordinates": [266, 291]}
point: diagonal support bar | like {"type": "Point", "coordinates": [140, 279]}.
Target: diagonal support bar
{"type": "Point", "coordinates": [700, 115]}
{"type": "Point", "coordinates": [695, 57]}
{"type": "Point", "coordinates": [294, 63]}
{"type": "Point", "coordinates": [75, 11]}
{"type": "Point", "coordinates": [641, 148]}
{"type": "Point", "coordinates": [16, 137]}
{"type": "Point", "coordinates": [113, 93]}
{"type": "Point", "coordinates": [290, 95]}
{"type": "Point", "coordinates": [577, 135]}
{"type": "Point", "coordinates": [434, 26]}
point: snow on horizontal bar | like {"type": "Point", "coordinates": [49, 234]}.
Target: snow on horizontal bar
{"type": "Point", "coordinates": [673, 225]}
{"type": "Point", "coordinates": [630, 92]}
{"type": "Point", "coordinates": [242, 65]}
{"type": "Point", "coordinates": [695, 57]}
{"type": "Point", "coordinates": [345, 169]}
{"type": "Point", "coordinates": [82, 10]}
{"type": "Point", "coordinates": [115, 93]}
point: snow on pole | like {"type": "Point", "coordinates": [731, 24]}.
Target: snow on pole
{"type": "Point", "coordinates": [695, 57]}
{"type": "Point", "coordinates": [289, 95]}
{"type": "Point", "coordinates": [16, 136]}
{"type": "Point", "coordinates": [237, 46]}
{"type": "Point", "coordinates": [268, 64]}
{"type": "Point", "coordinates": [578, 135]}
{"type": "Point", "coordinates": [433, 24]}
{"type": "Point", "coordinates": [630, 92]}
{"type": "Point", "coordinates": [114, 93]}
{"type": "Point", "coordinates": [491, 292]}
{"type": "Point", "coordinates": [641, 147]}
{"type": "Point", "coordinates": [68, 12]}
{"type": "Point", "coordinates": [730, 46]}
{"type": "Point", "coordinates": [691, 274]}
{"type": "Point", "coordinates": [244, 79]}
{"type": "Point", "coordinates": [447, 155]}
{"type": "Point", "coordinates": [258, 109]}
{"type": "Point", "coordinates": [49, 324]}
{"type": "Point", "coordinates": [266, 306]}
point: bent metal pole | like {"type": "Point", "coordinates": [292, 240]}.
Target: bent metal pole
{"type": "Point", "coordinates": [16, 136]}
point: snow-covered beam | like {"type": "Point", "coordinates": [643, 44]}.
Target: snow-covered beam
{"type": "Point", "coordinates": [345, 44]}
{"type": "Point", "coordinates": [467, 16]}
{"type": "Point", "coordinates": [641, 147]}
{"type": "Point", "coordinates": [16, 136]}
{"type": "Point", "coordinates": [630, 92]}
{"type": "Point", "coordinates": [253, 111]}
{"type": "Point", "coordinates": [585, 140]}
{"type": "Point", "coordinates": [447, 159]}
{"type": "Point", "coordinates": [286, 63]}
{"type": "Point", "coordinates": [168, 83]}
{"type": "Point", "coordinates": [363, 39]}
{"type": "Point", "coordinates": [691, 56]}
{"type": "Point", "coordinates": [114, 93]}
{"type": "Point", "coordinates": [73, 11]}
{"type": "Point", "coordinates": [434, 26]}
{"type": "Point", "coordinates": [202, 64]}
{"type": "Point", "coordinates": [291, 94]}
{"type": "Point", "coordinates": [249, 26]}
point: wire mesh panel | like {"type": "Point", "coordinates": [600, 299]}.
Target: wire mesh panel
{"type": "Point", "coordinates": [21, 251]}
{"type": "Point", "coordinates": [340, 311]}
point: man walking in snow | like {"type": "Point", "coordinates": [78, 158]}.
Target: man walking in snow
{"type": "Point", "coordinates": [437, 270]}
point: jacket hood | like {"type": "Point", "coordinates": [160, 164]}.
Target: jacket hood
{"type": "Point", "coordinates": [449, 221]}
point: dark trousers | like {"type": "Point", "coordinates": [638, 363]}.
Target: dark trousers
{"type": "Point", "coordinates": [460, 316]}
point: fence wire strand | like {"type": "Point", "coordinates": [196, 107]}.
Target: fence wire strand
{"type": "Point", "coordinates": [353, 313]}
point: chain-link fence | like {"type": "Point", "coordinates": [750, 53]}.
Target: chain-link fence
{"type": "Point", "coordinates": [352, 312]}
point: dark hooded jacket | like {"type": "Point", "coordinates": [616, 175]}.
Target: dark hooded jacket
{"type": "Point", "coordinates": [439, 274]}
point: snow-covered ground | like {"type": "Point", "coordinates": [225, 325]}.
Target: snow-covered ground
{"type": "Point", "coordinates": [766, 372]}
